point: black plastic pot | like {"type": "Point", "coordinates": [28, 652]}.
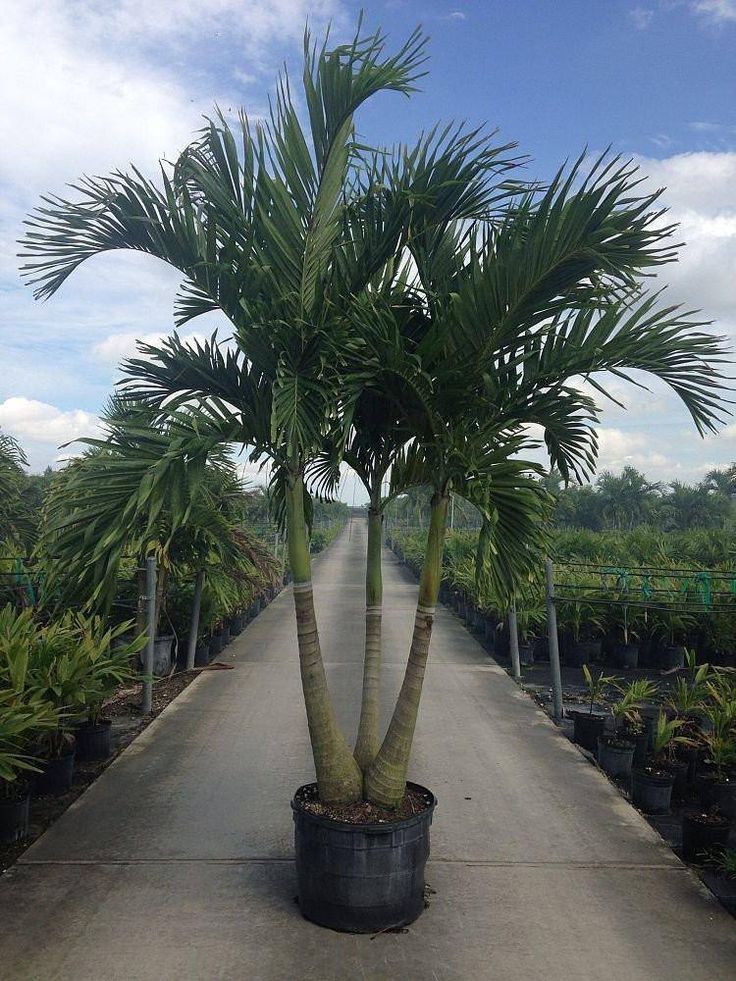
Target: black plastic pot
{"type": "Point", "coordinates": [705, 786]}
{"type": "Point", "coordinates": [162, 648]}
{"type": "Point", "coordinates": [55, 777]}
{"type": "Point", "coordinates": [702, 834]}
{"type": "Point", "coordinates": [652, 792]}
{"type": "Point", "coordinates": [361, 878]}
{"type": "Point", "coordinates": [672, 656]}
{"type": "Point", "coordinates": [202, 654]}
{"type": "Point", "coordinates": [615, 758]}
{"type": "Point", "coordinates": [14, 818]}
{"type": "Point", "coordinates": [94, 740]}
{"type": "Point", "coordinates": [236, 624]}
{"type": "Point", "coordinates": [679, 771]}
{"type": "Point", "coordinates": [526, 653]}
{"type": "Point", "coordinates": [725, 797]}
{"type": "Point", "coordinates": [583, 652]}
{"type": "Point", "coordinates": [226, 638]}
{"type": "Point", "coordinates": [587, 728]}
{"type": "Point", "coordinates": [215, 644]}
{"type": "Point", "coordinates": [625, 656]}
{"type": "Point", "coordinates": [641, 747]}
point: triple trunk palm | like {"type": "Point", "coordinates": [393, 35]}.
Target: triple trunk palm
{"type": "Point", "coordinates": [411, 313]}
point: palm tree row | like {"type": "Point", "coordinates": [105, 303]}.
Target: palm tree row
{"type": "Point", "coordinates": [412, 312]}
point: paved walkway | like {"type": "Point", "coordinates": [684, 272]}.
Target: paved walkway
{"type": "Point", "coordinates": [176, 863]}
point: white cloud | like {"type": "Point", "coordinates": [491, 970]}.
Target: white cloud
{"type": "Point", "coordinates": [641, 17]}
{"type": "Point", "coordinates": [42, 429]}
{"type": "Point", "coordinates": [717, 11]}
{"type": "Point", "coordinates": [700, 192]}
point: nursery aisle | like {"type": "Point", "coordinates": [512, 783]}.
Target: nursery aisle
{"type": "Point", "coordinates": [176, 864]}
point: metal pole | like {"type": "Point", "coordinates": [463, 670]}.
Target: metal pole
{"type": "Point", "coordinates": [554, 644]}
{"type": "Point", "coordinates": [147, 699]}
{"type": "Point", "coordinates": [514, 641]}
{"type": "Point", "coordinates": [194, 622]}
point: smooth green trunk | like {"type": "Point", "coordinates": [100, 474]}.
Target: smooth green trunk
{"type": "Point", "coordinates": [368, 740]}
{"type": "Point", "coordinates": [338, 776]}
{"type": "Point", "coordinates": [385, 781]}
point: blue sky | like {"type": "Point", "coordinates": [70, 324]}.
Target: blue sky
{"type": "Point", "coordinates": [94, 84]}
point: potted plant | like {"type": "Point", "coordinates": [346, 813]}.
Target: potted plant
{"type": "Point", "coordinates": [587, 727]}
{"type": "Point", "coordinates": [716, 784]}
{"type": "Point", "coordinates": [530, 617]}
{"type": "Point", "coordinates": [673, 627]}
{"type": "Point", "coordinates": [21, 719]}
{"type": "Point", "coordinates": [617, 749]}
{"type": "Point", "coordinates": [459, 361]}
{"type": "Point", "coordinates": [109, 664]}
{"type": "Point", "coordinates": [583, 625]}
{"type": "Point", "coordinates": [651, 784]}
{"type": "Point", "coordinates": [703, 832]}
{"type": "Point", "coordinates": [23, 715]}
{"type": "Point", "coordinates": [624, 621]}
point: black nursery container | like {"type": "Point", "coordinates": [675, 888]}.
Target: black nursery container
{"type": "Point", "coordinates": [13, 819]}
{"type": "Point", "coordinates": [361, 878]}
{"type": "Point", "coordinates": [586, 729]}
{"type": "Point", "coordinates": [702, 834]}
{"type": "Point", "coordinates": [202, 654]}
{"type": "Point", "coordinates": [56, 776]}
{"type": "Point", "coordinates": [94, 740]}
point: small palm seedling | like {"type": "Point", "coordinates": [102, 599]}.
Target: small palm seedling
{"type": "Point", "coordinates": [667, 737]}
{"type": "Point", "coordinates": [723, 860]}
{"type": "Point", "coordinates": [627, 711]}
{"type": "Point", "coordinates": [689, 693]}
{"type": "Point", "coordinates": [596, 686]}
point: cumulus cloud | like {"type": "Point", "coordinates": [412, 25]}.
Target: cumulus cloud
{"type": "Point", "coordinates": [43, 429]}
{"type": "Point", "coordinates": [700, 192]}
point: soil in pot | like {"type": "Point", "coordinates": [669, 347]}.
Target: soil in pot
{"type": "Point", "coordinates": [651, 790]}
{"type": "Point", "coordinates": [702, 833]}
{"type": "Point", "coordinates": [360, 868]}
{"type": "Point", "coordinates": [587, 728]}
{"type": "Point", "coordinates": [14, 812]}
{"type": "Point", "coordinates": [615, 755]}
{"type": "Point", "coordinates": [94, 740]}
{"type": "Point", "coordinates": [55, 777]}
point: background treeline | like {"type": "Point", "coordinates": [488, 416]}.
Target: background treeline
{"type": "Point", "coordinates": [615, 502]}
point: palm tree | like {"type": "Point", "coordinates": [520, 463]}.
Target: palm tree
{"type": "Point", "coordinates": [144, 489]}
{"type": "Point", "coordinates": [510, 298]}
{"type": "Point", "coordinates": [627, 498]}
{"type": "Point", "coordinates": [14, 517]}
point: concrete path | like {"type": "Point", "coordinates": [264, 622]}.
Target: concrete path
{"type": "Point", "coordinates": [176, 863]}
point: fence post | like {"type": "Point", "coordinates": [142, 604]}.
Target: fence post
{"type": "Point", "coordinates": [514, 641]}
{"type": "Point", "coordinates": [554, 645]}
{"type": "Point", "coordinates": [194, 623]}
{"type": "Point", "coordinates": [147, 697]}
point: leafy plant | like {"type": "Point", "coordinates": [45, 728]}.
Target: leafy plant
{"type": "Point", "coordinates": [667, 737]}
{"type": "Point", "coordinates": [627, 711]}
{"type": "Point", "coordinates": [596, 686]}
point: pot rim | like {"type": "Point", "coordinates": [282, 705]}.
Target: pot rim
{"type": "Point", "coordinates": [659, 779]}
{"type": "Point", "coordinates": [723, 821]}
{"type": "Point", "coordinates": [373, 829]}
